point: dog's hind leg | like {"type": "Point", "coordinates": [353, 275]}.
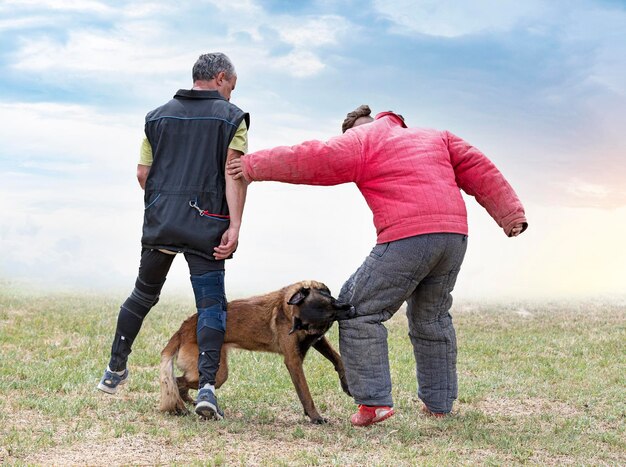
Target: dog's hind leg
{"type": "Point", "coordinates": [324, 347]}
{"type": "Point", "coordinates": [184, 387]}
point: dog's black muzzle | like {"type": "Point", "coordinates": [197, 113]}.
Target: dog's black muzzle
{"type": "Point", "coordinates": [344, 311]}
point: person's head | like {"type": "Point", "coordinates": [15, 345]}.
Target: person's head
{"type": "Point", "coordinates": [215, 71]}
{"type": "Point", "coordinates": [359, 116]}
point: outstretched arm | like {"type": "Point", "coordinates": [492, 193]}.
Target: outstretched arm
{"type": "Point", "coordinates": [479, 177]}
{"type": "Point", "coordinates": [236, 190]}
{"type": "Point", "coordinates": [335, 161]}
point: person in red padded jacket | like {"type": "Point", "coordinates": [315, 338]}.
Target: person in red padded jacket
{"type": "Point", "coordinates": [411, 179]}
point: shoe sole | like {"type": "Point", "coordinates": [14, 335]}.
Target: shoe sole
{"type": "Point", "coordinates": [208, 411]}
{"type": "Point", "coordinates": [104, 388]}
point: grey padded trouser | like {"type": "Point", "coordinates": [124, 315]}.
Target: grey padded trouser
{"type": "Point", "coordinates": [421, 270]}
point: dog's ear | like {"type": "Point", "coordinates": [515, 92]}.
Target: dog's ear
{"type": "Point", "coordinates": [296, 324]}
{"type": "Point", "coordinates": [299, 296]}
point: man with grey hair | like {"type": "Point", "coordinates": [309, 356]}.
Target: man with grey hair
{"type": "Point", "coordinates": [190, 208]}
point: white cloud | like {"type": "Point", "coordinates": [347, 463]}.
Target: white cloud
{"type": "Point", "coordinates": [581, 188]}
{"type": "Point", "coordinates": [599, 30]}
{"type": "Point", "coordinates": [58, 9]}
{"type": "Point", "coordinates": [144, 42]}
{"type": "Point", "coordinates": [305, 35]}
{"type": "Point", "coordinates": [312, 32]}
{"type": "Point", "coordinates": [86, 6]}
{"type": "Point", "coordinates": [137, 9]}
{"type": "Point", "coordinates": [102, 54]}
{"type": "Point", "coordinates": [584, 193]}
{"type": "Point", "coordinates": [238, 7]}
{"type": "Point", "coordinates": [448, 18]}
{"type": "Point", "coordinates": [13, 24]}
{"type": "Point", "coordinates": [35, 133]}
{"type": "Point", "coordinates": [299, 63]}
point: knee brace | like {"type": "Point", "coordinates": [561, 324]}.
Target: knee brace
{"type": "Point", "coordinates": [210, 301]}
{"type": "Point", "coordinates": [211, 304]}
{"type": "Point", "coordinates": [132, 312]}
{"type": "Point", "coordinates": [136, 307]}
{"type": "Point", "coordinates": [144, 296]}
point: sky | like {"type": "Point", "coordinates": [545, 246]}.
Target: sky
{"type": "Point", "coordinates": [538, 86]}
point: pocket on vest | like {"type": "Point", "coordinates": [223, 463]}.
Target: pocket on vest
{"type": "Point", "coordinates": [170, 219]}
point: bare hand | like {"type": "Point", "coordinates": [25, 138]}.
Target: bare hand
{"type": "Point", "coordinates": [234, 168]}
{"type": "Point", "coordinates": [228, 245]}
{"type": "Point", "coordinates": [517, 230]}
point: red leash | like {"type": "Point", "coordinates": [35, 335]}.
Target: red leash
{"type": "Point", "coordinates": [204, 212]}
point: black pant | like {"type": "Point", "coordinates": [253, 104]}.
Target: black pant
{"type": "Point", "coordinates": [153, 269]}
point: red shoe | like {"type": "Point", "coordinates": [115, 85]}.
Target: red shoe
{"type": "Point", "coordinates": [368, 415]}
{"type": "Point", "coordinates": [428, 412]}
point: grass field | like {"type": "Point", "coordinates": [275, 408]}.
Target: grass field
{"type": "Point", "coordinates": [539, 384]}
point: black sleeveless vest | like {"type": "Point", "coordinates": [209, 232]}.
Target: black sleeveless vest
{"type": "Point", "coordinates": [185, 193]}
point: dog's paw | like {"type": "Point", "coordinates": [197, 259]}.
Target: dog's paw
{"type": "Point", "coordinates": [180, 411]}
{"type": "Point", "coordinates": [319, 421]}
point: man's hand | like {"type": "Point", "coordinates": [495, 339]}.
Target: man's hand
{"type": "Point", "coordinates": [234, 168]}
{"type": "Point", "coordinates": [518, 229]}
{"type": "Point", "coordinates": [228, 245]}
{"type": "Point", "coordinates": [142, 175]}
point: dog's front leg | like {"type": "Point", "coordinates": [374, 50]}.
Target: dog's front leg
{"type": "Point", "coordinates": [293, 361]}
{"type": "Point", "coordinates": [222, 371]}
{"type": "Point", "coordinates": [324, 347]}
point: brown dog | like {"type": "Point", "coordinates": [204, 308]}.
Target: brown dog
{"type": "Point", "coordinates": [288, 322]}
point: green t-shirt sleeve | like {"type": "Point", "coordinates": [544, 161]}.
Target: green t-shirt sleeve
{"type": "Point", "coordinates": [238, 143]}
{"type": "Point", "coordinates": [240, 140]}
{"type": "Point", "coordinates": [145, 153]}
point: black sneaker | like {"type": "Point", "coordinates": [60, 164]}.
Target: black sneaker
{"type": "Point", "coordinates": [206, 405]}
{"type": "Point", "coordinates": [111, 380]}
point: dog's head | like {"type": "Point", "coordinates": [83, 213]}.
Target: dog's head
{"type": "Point", "coordinates": [314, 309]}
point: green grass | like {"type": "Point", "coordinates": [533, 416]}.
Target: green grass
{"type": "Point", "coordinates": [539, 384]}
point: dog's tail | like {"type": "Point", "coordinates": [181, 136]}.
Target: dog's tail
{"type": "Point", "coordinates": [170, 395]}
